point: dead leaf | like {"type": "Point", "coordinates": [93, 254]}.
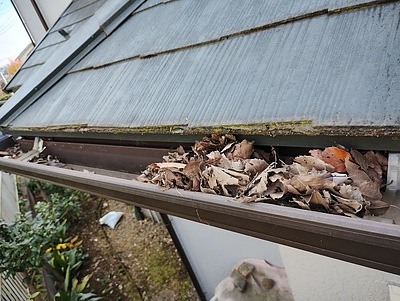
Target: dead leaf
{"type": "Point", "coordinates": [168, 165]}
{"type": "Point", "coordinates": [275, 190]}
{"type": "Point", "coordinates": [260, 184]}
{"type": "Point", "coordinates": [351, 192]}
{"type": "Point", "coordinates": [303, 182]}
{"type": "Point", "coordinates": [312, 162]}
{"type": "Point", "coordinates": [301, 204]}
{"type": "Point", "coordinates": [298, 169]}
{"type": "Point", "coordinates": [362, 161]}
{"type": "Point", "coordinates": [327, 196]}
{"type": "Point", "coordinates": [193, 171]}
{"type": "Point", "coordinates": [317, 200]}
{"type": "Point", "coordinates": [378, 164]}
{"type": "Point", "coordinates": [378, 207]}
{"type": "Point", "coordinates": [207, 190]}
{"type": "Point", "coordinates": [332, 155]}
{"type": "Point", "coordinates": [355, 173]}
{"type": "Point", "coordinates": [228, 147]}
{"type": "Point", "coordinates": [249, 199]}
{"type": "Point", "coordinates": [382, 160]}
{"type": "Point", "coordinates": [345, 209]}
{"type": "Point", "coordinates": [254, 166]}
{"type": "Point", "coordinates": [242, 150]}
{"type": "Point", "coordinates": [353, 204]}
{"type": "Point", "coordinates": [238, 165]}
{"type": "Point", "coordinates": [224, 179]}
{"type": "Point", "coordinates": [337, 209]}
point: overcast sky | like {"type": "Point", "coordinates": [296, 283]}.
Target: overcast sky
{"type": "Point", "coordinates": [13, 37]}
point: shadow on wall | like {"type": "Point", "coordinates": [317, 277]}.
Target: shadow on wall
{"type": "Point", "coordinates": [254, 280]}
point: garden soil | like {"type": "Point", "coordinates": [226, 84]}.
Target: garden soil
{"type": "Point", "coordinates": [135, 261]}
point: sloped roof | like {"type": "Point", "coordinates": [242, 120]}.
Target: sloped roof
{"type": "Point", "coordinates": [187, 66]}
{"type": "Point", "coordinates": [70, 21]}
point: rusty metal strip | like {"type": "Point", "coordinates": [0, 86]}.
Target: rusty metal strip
{"type": "Point", "coordinates": [367, 243]}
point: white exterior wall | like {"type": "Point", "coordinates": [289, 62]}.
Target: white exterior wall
{"type": "Point", "coordinates": [316, 277]}
{"type": "Point", "coordinates": [212, 252]}
{"type": "Point", "coordinates": [50, 10]}
{"type": "Point", "coordinates": [8, 197]}
{"type": "Point", "coordinates": [11, 288]}
{"type": "Point", "coordinates": [31, 19]}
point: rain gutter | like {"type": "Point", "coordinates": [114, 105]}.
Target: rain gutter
{"type": "Point", "coordinates": [368, 243]}
{"type": "Point", "coordinates": [93, 32]}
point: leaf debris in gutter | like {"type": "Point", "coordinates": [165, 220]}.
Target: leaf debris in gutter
{"type": "Point", "coordinates": [332, 180]}
{"type": "Point", "coordinates": [36, 155]}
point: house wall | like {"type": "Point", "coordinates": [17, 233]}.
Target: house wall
{"type": "Point", "coordinates": [316, 277]}
{"type": "Point", "coordinates": [8, 197]}
{"type": "Point", "coordinates": [50, 10]}
{"type": "Point", "coordinates": [212, 252]}
{"type": "Point", "coordinates": [12, 288]}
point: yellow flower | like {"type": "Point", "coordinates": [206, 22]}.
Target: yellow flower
{"type": "Point", "coordinates": [49, 250]}
{"type": "Point", "coordinates": [61, 246]}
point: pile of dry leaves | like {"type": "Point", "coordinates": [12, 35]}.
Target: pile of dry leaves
{"type": "Point", "coordinates": [332, 180]}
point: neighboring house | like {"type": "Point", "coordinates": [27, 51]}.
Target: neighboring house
{"type": "Point", "coordinates": [115, 84]}
{"type": "Point", "coordinates": [24, 53]}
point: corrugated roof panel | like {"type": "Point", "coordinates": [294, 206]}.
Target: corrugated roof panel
{"type": "Point", "coordinates": [40, 56]}
{"type": "Point", "coordinates": [78, 15]}
{"type": "Point", "coordinates": [77, 12]}
{"type": "Point", "coordinates": [55, 37]}
{"type": "Point", "coordinates": [332, 70]}
{"type": "Point", "coordinates": [23, 75]}
{"type": "Point", "coordinates": [181, 23]}
{"type": "Point", "coordinates": [150, 3]}
{"type": "Point", "coordinates": [78, 4]}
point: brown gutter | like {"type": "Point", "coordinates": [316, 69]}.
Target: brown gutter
{"type": "Point", "coordinates": [371, 244]}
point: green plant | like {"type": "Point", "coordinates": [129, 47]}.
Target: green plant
{"type": "Point", "coordinates": [73, 290]}
{"type": "Point", "coordinates": [34, 295]}
{"type": "Point", "coordinates": [73, 259]}
{"type": "Point", "coordinates": [28, 245]}
{"type": "Point", "coordinates": [22, 243]}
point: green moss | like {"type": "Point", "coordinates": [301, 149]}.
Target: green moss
{"type": "Point", "coordinates": [161, 268]}
{"type": "Point", "coordinates": [4, 96]}
{"type": "Point", "coordinates": [271, 129]}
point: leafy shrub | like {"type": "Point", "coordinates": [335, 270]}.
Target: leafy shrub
{"type": "Point", "coordinates": [23, 243]}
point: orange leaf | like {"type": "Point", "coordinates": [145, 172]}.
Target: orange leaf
{"type": "Point", "coordinates": [333, 156]}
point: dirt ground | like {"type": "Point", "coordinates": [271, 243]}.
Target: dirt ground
{"type": "Point", "coordinates": [135, 261]}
